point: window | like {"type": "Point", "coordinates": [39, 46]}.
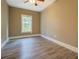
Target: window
{"type": "Point", "coordinates": [26, 23]}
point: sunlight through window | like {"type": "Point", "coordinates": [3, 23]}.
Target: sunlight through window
{"type": "Point", "coordinates": [26, 23]}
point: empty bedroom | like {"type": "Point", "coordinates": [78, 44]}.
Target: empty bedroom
{"type": "Point", "coordinates": [39, 29]}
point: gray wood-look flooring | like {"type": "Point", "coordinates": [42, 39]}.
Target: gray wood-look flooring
{"type": "Point", "coordinates": [35, 48]}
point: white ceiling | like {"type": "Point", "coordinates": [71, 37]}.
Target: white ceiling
{"type": "Point", "coordinates": [29, 6]}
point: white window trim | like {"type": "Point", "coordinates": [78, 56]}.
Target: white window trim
{"type": "Point", "coordinates": [21, 24]}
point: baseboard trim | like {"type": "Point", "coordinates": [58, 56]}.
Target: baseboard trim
{"type": "Point", "coordinates": [15, 37]}
{"type": "Point", "coordinates": [4, 43]}
{"type": "Point", "coordinates": [72, 48]}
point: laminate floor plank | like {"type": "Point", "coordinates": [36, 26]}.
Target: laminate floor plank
{"type": "Point", "coordinates": [35, 48]}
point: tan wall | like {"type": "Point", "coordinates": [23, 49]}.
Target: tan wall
{"type": "Point", "coordinates": [4, 21]}
{"type": "Point", "coordinates": [15, 21]}
{"type": "Point", "coordinates": [59, 21]}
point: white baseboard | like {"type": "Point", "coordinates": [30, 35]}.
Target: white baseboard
{"type": "Point", "coordinates": [72, 48]}
{"type": "Point", "coordinates": [4, 43]}
{"type": "Point", "coordinates": [15, 37]}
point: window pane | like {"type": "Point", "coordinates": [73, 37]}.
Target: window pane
{"type": "Point", "coordinates": [26, 23]}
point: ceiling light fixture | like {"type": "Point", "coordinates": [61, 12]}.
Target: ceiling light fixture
{"type": "Point", "coordinates": [36, 2]}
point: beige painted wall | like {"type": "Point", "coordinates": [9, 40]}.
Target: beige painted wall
{"type": "Point", "coordinates": [4, 21]}
{"type": "Point", "coordinates": [15, 21]}
{"type": "Point", "coordinates": [59, 21]}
